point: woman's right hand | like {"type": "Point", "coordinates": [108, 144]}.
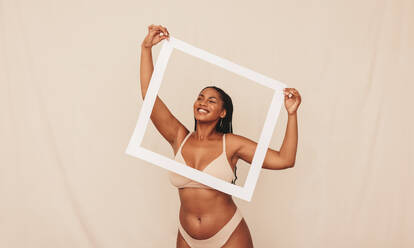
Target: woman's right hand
{"type": "Point", "coordinates": [153, 36]}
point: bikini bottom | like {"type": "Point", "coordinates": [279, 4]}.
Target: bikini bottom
{"type": "Point", "coordinates": [218, 239]}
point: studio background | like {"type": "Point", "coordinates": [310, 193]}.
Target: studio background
{"type": "Point", "coordinates": [70, 99]}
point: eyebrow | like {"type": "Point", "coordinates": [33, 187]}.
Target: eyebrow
{"type": "Point", "coordinates": [209, 97]}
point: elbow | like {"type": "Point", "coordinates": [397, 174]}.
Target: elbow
{"type": "Point", "coordinates": [290, 164]}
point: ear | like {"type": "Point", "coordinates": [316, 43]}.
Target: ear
{"type": "Point", "coordinates": [223, 113]}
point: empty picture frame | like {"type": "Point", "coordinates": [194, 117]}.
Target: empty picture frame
{"type": "Point", "coordinates": [135, 149]}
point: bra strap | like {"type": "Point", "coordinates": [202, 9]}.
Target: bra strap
{"type": "Point", "coordinates": [224, 151]}
{"type": "Point", "coordinates": [182, 143]}
{"type": "Point", "coordinates": [224, 143]}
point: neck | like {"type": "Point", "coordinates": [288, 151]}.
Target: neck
{"type": "Point", "coordinates": [206, 131]}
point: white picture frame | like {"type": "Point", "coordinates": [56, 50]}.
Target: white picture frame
{"type": "Point", "coordinates": [136, 150]}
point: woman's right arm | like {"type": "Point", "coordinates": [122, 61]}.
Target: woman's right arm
{"type": "Point", "coordinates": [166, 123]}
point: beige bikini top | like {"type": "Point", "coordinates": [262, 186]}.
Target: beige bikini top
{"type": "Point", "coordinates": [219, 168]}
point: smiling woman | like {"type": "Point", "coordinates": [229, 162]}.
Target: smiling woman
{"type": "Point", "coordinates": [209, 107]}
{"type": "Point", "coordinates": [208, 217]}
{"type": "Point", "coordinates": [215, 95]}
{"type": "Point", "coordinates": [200, 224]}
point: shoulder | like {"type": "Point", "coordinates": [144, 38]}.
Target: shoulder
{"type": "Point", "coordinates": [231, 137]}
{"type": "Point", "coordinates": [241, 146]}
{"type": "Point", "coordinates": [235, 141]}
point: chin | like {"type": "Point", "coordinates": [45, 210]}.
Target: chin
{"type": "Point", "coordinates": [200, 118]}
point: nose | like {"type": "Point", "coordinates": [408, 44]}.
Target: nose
{"type": "Point", "coordinates": [203, 103]}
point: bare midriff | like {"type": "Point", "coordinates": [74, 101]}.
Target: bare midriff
{"type": "Point", "coordinates": [204, 212]}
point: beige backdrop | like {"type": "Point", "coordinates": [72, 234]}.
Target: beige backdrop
{"type": "Point", "coordinates": [70, 99]}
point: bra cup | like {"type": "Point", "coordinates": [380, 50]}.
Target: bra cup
{"type": "Point", "coordinates": [217, 171]}
{"type": "Point", "coordinates": [214, 169]}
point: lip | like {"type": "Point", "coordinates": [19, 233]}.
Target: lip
{"type": "Point", "coordinates": [203, 109]}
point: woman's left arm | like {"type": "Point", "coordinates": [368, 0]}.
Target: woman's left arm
{"type": "Point", "coordinates": [275, 160]}
{"type": "Point", "coordinates": [286, 157]}
{"type": "Point", "coordinates": [290, 142]}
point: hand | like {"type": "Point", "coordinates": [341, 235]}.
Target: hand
{"type": "Point", "coordinates": [153, 36]}
{"type": "Point", "coordinates": [292, 100]}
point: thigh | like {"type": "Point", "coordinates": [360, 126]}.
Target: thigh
{"type": "Point", "coordinates": [240, 237]}
{"type": "Point", "coordinates": [181, 241]}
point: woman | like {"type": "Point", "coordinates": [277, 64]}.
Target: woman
{"type": "Point", "coordinates": [208, 217]}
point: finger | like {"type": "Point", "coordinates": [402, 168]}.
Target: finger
{"type": "Point", "coordinates": [155, 28]}
{"type": "Point", "coordinates": [154, 31]}
{"type": "Point", "coordinates": [294, 92]}
{"type": "Point", "coordinates": [166, 30]}
{"type": "Point", "coordinates": [163, 29]}
{"type": "Point", "coordinates": [159, 38]}
{"type": "Point", "coordinates": [288, 93]}
{"type": "Point", "coordinates": [289, 90]}
{"type": "Point", "coordinates": [158, 33]}
{"type": "Point", "coordinates": [297, 93]}
{"type": "Point", "coordinates": [163, 36]}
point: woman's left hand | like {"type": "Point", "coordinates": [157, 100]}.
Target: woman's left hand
{"type": "Point", "coordinates": [292, 100]}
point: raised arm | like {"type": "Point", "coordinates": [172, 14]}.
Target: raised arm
{"type": "Point", "coordinates": [169, 127]}
{"type": "Point", "coordinates": [286, 157]}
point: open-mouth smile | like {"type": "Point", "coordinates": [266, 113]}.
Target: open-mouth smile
{"type": "Point", "coordinates": [202, 111]}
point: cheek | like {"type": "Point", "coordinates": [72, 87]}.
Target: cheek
{"type": "Point", "coordinates": [215, 110]}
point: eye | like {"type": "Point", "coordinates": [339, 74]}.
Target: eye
{"type": "Point", "coordinates": [212, 101]}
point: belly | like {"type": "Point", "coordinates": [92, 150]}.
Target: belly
{"type": "Point", "coordinates": [204, 212]}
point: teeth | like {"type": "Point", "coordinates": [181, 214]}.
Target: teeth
{"type": "Point", "coordinates": [202, 111]}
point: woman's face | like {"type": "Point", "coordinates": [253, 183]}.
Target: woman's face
{"type": "Point", "coordinates": [208, 106]}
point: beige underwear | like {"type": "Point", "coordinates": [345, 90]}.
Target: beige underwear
{"type": "Point", "coordinates": [218, 239]}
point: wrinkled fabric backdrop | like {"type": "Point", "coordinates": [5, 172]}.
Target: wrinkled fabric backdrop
{"type": "Point", "coordinates": [70, 99]}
